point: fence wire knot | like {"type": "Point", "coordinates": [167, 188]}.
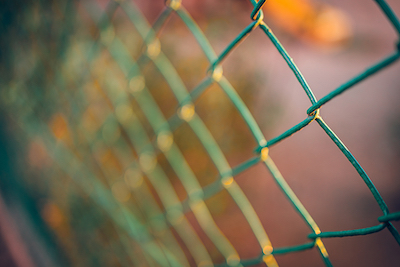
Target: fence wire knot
{"type": "Point", "coordinates": [154, 48]}
{"type": "Point", "coordinates": [173, 4]}
{"type": "Point", "coordinates": [315, 114]}
{"type": "Point", "coordinates": [257, 12]}
{"type": "Point", "coordinates": [216, 73]}
{"type": "Point", "coordinates": [186, 112]}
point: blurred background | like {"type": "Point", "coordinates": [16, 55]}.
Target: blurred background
{"type": "Point", "coordinates": [70, 167]}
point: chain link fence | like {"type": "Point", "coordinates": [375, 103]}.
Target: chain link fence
{"type": "Point", "coordinates": [127, 163]}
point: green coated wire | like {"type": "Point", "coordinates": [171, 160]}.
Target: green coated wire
{"type": "Point", "coordinates": [149, 225]}
{"type": "Point", "coordinates": [196, 31]}
{"type": "Point", "coordinates": [184, 98]}
{"type": "Point", "coordinates": [288, 133]}
{"type": "Point", "coordinates": [348, 85]}
{"type": "Point", "coordinates": [177, 160]}
{"type": "Point", "coordinates": [238, 39]}
{"type": "Point", "coordinates": [102, 196]}
{"type": "Point", "coordinates": [363, 175]}
{"type": "Point", "coordinates": [395, 216]}
{"type": "Point", "coordinates": [276, 251]}
{"type": "Point", "coordinates": [289, 62]}
{"type": "Point", "coordinates": [389, 14]}
{"type": "Point", "coordinates": [233, 44]}
{"type": "Point", "coordinates": [223, 82]}
{"type": "Point", "coordinates": [243, 110]}
{"type": "Point", "coordinates": [297, 205]}
{"type": "Point", "coordinates": [117, 50]}
{"type": "Point", "coordinates": [61, 84]}
{"type": "Point", "coordinates": [215, 187]}
{"type": "Point", "coordinates": [355, 232]}
{"type": "Point", "coordinates": [233, 189]}
{"type": "Point", "coordinates": [355, 163]}
{"type": "Point", "coordinates": [257, 9]}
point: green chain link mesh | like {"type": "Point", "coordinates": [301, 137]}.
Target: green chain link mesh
{"type": "Point", "coordinates": [91, 106]}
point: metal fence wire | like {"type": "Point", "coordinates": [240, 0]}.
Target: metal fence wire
{"type": "Point", "coordinates": [101, 125]}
